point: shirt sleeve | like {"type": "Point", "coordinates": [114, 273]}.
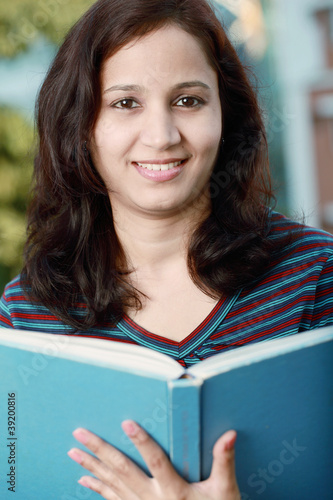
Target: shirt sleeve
{"type": "Point", "coordinates": [323, 304]}
{"type": "Point", "coordinates": [5, 317]}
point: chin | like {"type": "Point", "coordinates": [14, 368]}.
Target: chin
{"type": "Point", "coordinates": [161, 208]}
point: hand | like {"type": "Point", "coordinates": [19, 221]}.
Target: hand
{"type": "Point", "coordinates": [120, 479]}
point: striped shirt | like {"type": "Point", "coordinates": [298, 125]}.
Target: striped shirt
{"type": "Point", "coordinates": [293, 295]}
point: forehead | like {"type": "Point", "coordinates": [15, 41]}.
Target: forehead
{"type": "Point", "coordinates": [167, 53]}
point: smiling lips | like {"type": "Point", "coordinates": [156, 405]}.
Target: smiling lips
{"type": "Point", "coordinates": [160, 171]}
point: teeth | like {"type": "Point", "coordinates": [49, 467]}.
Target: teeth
{"type": "Point", "coordinates": [165, 166]}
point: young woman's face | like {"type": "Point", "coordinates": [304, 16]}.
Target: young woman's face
{"type": "Point", "coordinates": [159, 128]}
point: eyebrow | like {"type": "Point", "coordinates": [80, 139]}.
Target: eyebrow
{"type": "Point", "coordinates": [137, 88]}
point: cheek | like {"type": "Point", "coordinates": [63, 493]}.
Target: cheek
{"type": "Point", "coordinates": [211, 141]}
{"type": "Point", "coordinates": [107, 147]}
{"type": "Point", "coordinates": [106, 134]}
{"type": "Point", "coordinates": [210, 134]}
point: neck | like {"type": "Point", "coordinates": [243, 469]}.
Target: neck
{"type": "Point", "coordinates": [153, 244]}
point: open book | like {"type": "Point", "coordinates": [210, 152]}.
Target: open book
{"type": "Point", "coordinates": [278, 396]}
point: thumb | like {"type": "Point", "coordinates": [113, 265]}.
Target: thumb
{"type": "Point", "coordinates": [223, 469]}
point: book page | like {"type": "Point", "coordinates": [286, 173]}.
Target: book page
{"type": "Point", "coordinates": [101, 352]}
{"type": "Point", "coordinates": [258, 351]}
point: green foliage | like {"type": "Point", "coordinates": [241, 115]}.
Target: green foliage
{"type": "Point", "coordinates": [23, 21]}
{"type": "Point", "coordinates": [16, 151]}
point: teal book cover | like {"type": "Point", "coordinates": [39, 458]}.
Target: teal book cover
{"type": "Point", "coordinates": [277, 395]}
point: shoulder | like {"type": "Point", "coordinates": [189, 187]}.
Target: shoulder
{"type": "Point", "coordinates": [296, 291]}
{"type": "Point", "coordinates": [306, 255]}
{"type": "Point", "coordinates": [305, 240]}
{"type": "Point", "coordinates": [12, 294]}
{"type": "Point", "coordinates": [19, 312]}
{"type": "Point", "coordinates": [14, 289]}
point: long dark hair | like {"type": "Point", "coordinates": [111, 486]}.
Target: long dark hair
{"type": "Point", "coordinates": [72, 252]}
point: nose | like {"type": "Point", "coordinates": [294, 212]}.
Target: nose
{"type": "Point", "coordinates": [159, 130]}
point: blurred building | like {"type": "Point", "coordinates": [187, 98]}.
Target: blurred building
{"type": "Point", "coordinates": [290, 43]}
{"type": "Point", "coordinates": [303, 35]}
{"type": "Point", "coordinates": [321, 101]}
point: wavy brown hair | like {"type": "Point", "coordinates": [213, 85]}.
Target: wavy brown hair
{"type": "Point", "coordinates": [72, 252]}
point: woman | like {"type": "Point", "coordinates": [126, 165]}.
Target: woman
{"type": "Point", "coordinates": [149, 214]}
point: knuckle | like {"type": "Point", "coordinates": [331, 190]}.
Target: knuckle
{"type": "Point", "coordinates": [112, 481]}
{"type": "Point", "coordinates": [98, 468]}
{"type": "Point", "coordinates": [120, 464]}
{"type": "Point", "coordinates": [90, 463]}
{"type": "Point", "coordinates": [141, 438]}
{"type": "Point", "coordinates": [156, 461]}
{"type": "Point", "coordinates": [96, 446]}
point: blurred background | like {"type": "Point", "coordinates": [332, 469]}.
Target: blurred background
{"type": "Point", "coordinates": [287, 43]}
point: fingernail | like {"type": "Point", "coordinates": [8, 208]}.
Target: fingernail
{"type": "Point", "coordinates": [231, 442]}
{"type": "Point", "coordinates": [130, 428]}
{"type": "Point", "coordinates": [84, 482]}
{"type": "Point", "coordinates": [81, 435]}
{"type": "Point", "coordinates": [74, 455]}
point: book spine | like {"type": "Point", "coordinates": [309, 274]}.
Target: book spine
{"type": "Point", "coordinates": [184, 430]}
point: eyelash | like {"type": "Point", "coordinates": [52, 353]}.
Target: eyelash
{"type": "Point", "coordinates": [115, 104]}
{"type": "Point", "coordinates": [199, 103]}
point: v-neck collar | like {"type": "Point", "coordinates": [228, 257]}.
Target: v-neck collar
{"type": "Point", "coordinates": [188, 344]}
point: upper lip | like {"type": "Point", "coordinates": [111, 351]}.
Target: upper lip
{"type": "Point", "coordinates": [161, 162]}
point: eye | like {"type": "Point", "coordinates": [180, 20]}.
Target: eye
{"type": "Point", "coordinates": [125, 104]}
{"type": "Point", "coordinates": [189, 102]}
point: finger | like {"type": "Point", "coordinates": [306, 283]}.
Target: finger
{"type": "Point", "coordinates": [112, 466]}
{"type": "Point", "coordinates": [109, 455]}
{"type": "Point", "coordinates": [223, 469]}
{"type": "Point", "coordinates": [156, 460]}
{"type": "Point", "coordinates": [101, 470]}
{"type": "Point", "coordinates": [99, 487]}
